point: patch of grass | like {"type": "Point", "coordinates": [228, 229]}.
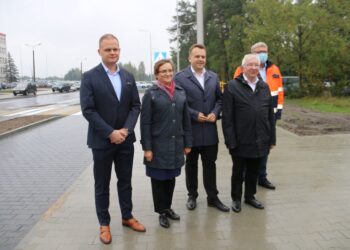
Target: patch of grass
{"type": "Point", "coordinates": [6, 91]}
{"type": "Point", "coordinates": [324, 104]}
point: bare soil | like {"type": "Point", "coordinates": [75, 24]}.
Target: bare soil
{"type": "Point", "coordinates": [304, 121]}
{"type": "Point", "coordinates": [18, 122]}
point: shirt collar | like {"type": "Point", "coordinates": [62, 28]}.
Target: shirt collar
{"type": "Point", "coordinates": [196, 74]}
{"type": "Point", "coordinates": [107, 70]}
{"type": "Point", "coordinates": [249, 82]}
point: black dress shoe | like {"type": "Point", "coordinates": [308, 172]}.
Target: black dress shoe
{"type": "Point", "coordinates": [219, 205]}
{"type": "Point", "coordinates": [191, 203]}
{"type": "Point", "coordinates": [171, 214]}
{"type": "Point", "coordinates": [254, 203]}
{"type": "Point", "coordinates": [266, 184]}
{"type": "Point", "coordinates": [163, 221]}
{"type": "Point", "coordinates": [236, 206]}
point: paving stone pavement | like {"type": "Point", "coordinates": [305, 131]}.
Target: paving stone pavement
{"type": "Point", "coordinates": [310, 209]}
{"type": "Point", "coordinates": [37, 166]}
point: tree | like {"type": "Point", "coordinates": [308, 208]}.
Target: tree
{"type": "Point", "coordinates": [11, 71]}
{"type": "Point", "coordinates": [141, 72]}
{"type": "Point", "coordinates": [305, 38]}
{"type": "Point", "coordinates": [73, 75]}
{"type": "Point", "coordinates": [222, 29]}
{"type": "Point", "coordinates": [186, 34]}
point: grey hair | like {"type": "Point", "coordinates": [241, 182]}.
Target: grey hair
{"type": "Point", "coordinates": [258, 45]}
{"type": "Point", "coordinates": [247, 57]}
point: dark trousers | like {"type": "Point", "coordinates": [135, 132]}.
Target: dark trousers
{"type": "Point", "coordinates": [262, 167]}
{"type": "Point", "coordinates": [122, 156]}
{"type": "Point", "coordinates": [251, 168]}
{"type": "Point", "coordinates": [208, 155]}
{"type": "Point", "coordinates": [162, 191]}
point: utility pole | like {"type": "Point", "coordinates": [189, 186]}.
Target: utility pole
{"type": "Point", "coordinates": [200, 24]}
{"type": "Point", "coordinates": [33, 48]}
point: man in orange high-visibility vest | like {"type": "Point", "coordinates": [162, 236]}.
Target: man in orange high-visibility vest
{"type": "Point", "coordinates": [271, 74]}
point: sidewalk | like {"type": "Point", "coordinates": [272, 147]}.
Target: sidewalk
{"type": "Point", "coordinates": [310, 209]}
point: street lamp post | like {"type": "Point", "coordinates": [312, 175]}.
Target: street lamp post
{"type": "Point", "coordinates": [33, 47]}
{"type": "Point", "coordinates": [150, 50]}
{"type": "Point", "coordinates": [81, 66]}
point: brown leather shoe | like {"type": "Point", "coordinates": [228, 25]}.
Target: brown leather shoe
{"type": "Point", "coordinates": [105, 234]}
{"type": "Point", "coordinates": [134, 225]}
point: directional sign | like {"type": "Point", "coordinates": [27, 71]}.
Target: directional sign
{"type": "Point", "coordinates": [159, 55]}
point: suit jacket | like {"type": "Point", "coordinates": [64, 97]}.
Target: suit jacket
{"type": "Point", "coordinates": [206, 101]}
{"type": "Point", "coordinates": [248, 121]}
{"type": "Point", "coordinates": [102, 109]}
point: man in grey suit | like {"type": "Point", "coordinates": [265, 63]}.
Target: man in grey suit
{"type": "Point", "coordinates": [204, 99]}
{"type": "Point", "coordinates": [110, 103]}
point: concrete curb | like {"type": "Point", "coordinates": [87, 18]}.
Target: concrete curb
{"type": "Point", "coordinates": [29, 126]}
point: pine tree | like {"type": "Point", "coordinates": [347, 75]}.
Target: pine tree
{"type": "Point", "coordinates": [11, 71]}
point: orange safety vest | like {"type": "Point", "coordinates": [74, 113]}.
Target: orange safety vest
{"type": "Point", "coordinates": [274, 80]}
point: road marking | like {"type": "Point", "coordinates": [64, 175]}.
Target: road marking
{"type": "Point", "coordinates": [40, 111]}
{"type": "Point", "coordinates": [23, 112]}
{"type": "Point", "coordinates": [78, 113]}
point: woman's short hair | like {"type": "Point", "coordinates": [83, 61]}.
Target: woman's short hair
{"type": "Point", "coordinates": [160, 63]}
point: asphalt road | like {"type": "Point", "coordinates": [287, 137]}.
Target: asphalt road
{"type": "Point", "coordinates": [44, 103]}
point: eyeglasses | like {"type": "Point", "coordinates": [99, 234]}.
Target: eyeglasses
{"type": "Point", "coordinates": [165, 71]}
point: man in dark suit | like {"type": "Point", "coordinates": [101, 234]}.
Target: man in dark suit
{"type": "Point", "coordinates": [248, 124]}
{"type": "Point", "coordinates": [110, 103]}
{"type": "Point", "coordinates": [204, 99]}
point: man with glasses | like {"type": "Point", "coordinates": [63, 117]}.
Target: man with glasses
{"type": "Point", "coordinates": [248, 124]}
{"type": "Point", "coordinates": [270, 74]}
{"type": "Point", "coordinates": [204, 99]}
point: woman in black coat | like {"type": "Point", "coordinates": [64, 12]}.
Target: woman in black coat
{"type": "Point", "coordinates": [165, 137]}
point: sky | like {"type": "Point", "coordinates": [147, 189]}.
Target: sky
{"type": "Point", "coordinates": [69, 30]}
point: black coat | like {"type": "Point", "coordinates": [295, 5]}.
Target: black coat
{"type": "Point", "coordinates": [248, 119]}
{"type": "Point", "coordinates": [206, 101]}
{"type": "Point", "coordinates": [165, 127]}
{"type": "Point", "coordinates": [102, 109]}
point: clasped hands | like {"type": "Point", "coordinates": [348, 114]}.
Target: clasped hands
{"type": "Point", "coordinates": [210, 118]}
{"type": "Point", "coordinates": [148, 154]}
{"type": "Point", "coordinates": [118, 136]}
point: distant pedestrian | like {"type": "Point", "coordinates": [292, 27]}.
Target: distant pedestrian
{"type": "Point", "coordinates": [270, 74]}
{"type": "Point", "coordinates": [248, 124]}
{"type": "Point", "coordinates": [204, 99]}
{"type": "Point", "coordinates": [165, 137]}
{"type": "Point", "coordinates": [110, 103]}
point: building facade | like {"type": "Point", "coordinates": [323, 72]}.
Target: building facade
{"type": "Point", "coordinates": [3, 57]}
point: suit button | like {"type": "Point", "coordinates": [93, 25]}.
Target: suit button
{"type": "Point", "coordinates": [173, 120]}
{"type": "Point", "coordinates": [173, 137]}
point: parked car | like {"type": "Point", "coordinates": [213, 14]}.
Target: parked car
{"type": "Point", "coordinates": [346, 91]}
{"type": "Point", "coordinates": [24, 89]}
{"type": "Point", "coordinates": [61, 87]}
{"type": "Point", "coordinates": [75, 86]}
{"type": "Point", "coordinates": [144, 85]}
{"type": "Point", "coordinates": [290, 83]}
